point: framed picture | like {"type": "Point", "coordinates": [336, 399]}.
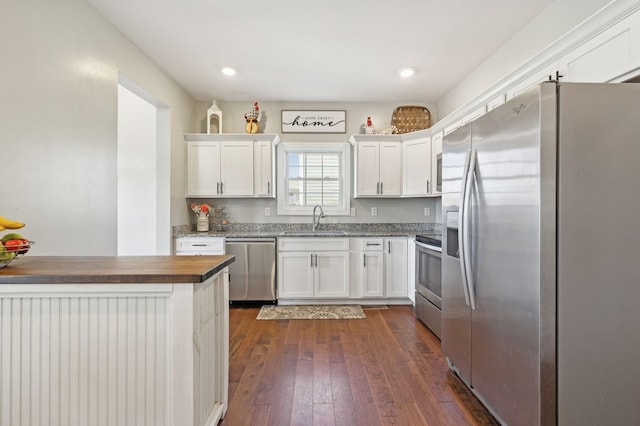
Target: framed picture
{"type": "Point", "coordinates": [294, 121]}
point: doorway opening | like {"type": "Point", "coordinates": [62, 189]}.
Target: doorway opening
{"type": "Point", "coordinates": [143, 211]}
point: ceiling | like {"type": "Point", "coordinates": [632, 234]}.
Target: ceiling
{"type": "Point", "coordinates": [319, 51]}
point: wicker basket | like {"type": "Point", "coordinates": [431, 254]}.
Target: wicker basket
{"type": "Point", "coordinates": [411, 118]}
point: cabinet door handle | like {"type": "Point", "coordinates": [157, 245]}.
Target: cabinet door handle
{"type": "Point", "coordinates": [221, 188]}
{"type": "Point", "coordinates": [373, 244]}
{"type": "Point", "coordinates": [364, 260]}
{"type": "Point", "coordinates": [268, 187]}
{"type": "Point", "coordinates": [381, 188]}
{"type": "Point", "coordinates": [218, 188]}
{"type": "Point", "coordinates": [377, 187]}
{"type": "Point", "coordinates": [311, 264]}
{"type": "Point", "coordinates": [316, 256]}
{"type": "Point", "coordinates": [427, 185]}
{"type": "Point", "coordinates": [389, 247]}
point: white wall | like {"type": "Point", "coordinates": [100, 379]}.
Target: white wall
{"type": "Point", "coordinates": [233, 116]}
{"type": "Point", "coordinates": [550, 25]}
{"type": "Point", "coordinates": [137, 171]}
{"type": "Point", "coordinates": [58, 130]}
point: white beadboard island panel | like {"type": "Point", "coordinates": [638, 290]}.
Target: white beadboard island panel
{"type": "Point", "coordinates": [102, 354]}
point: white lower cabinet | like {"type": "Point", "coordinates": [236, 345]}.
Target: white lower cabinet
{"type": "Point", "coordinates": [411, 269]}
{"type": "Point", "coordinates": [197, 246]}
{"type": "Point", "coordinates": [313, 268]}
{"type": "Point", "coordinates": [331, 274]}
{"type": "Point", "coordinates": [367, 267]}
{"type": "Point", "coordinates": [342, 268]}
{"type": "Point", "coordinates": [395, 267]}
{"type": "Point", "coordinates": [295, 274]}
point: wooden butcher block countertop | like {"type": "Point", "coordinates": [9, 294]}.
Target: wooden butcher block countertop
{"type": "Point", "coordinates": [113, 269]}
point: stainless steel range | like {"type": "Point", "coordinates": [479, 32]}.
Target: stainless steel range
{"type": "Point", "coordinates": [428, 281]}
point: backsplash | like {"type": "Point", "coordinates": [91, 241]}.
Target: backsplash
{"type": "Point", "coordinates": [389, 210]}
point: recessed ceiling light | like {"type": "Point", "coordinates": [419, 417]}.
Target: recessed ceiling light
{"type": "Point", "coordinates": [228, 71]}
{"type": "Point", "coordinates": [407, 72]}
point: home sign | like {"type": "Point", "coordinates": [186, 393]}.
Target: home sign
{"type": "Point", "coordinates": [294, 121]}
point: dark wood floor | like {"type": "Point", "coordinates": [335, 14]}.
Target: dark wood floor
{"type": "Point", "coordinates": [386, 369]}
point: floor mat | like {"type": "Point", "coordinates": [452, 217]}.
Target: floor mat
{"type": "Point", "coordinates": [272, 312]}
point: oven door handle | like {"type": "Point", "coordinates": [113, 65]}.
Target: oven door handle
{"type": "Point", "coordinates": [429, 247]}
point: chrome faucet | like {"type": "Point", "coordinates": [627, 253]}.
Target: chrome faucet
{"type": "Point", "coordinates": [316, 224]}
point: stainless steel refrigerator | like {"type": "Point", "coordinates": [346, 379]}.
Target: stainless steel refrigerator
{"type": "Point", "coordinates": [541, 255]}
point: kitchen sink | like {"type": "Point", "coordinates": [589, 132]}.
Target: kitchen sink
{"type": "Point", "coordinates": [313, 233]}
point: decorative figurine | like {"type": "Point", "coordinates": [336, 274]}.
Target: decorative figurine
{"type": "Point", "coordinates": [368, 128]}
{"type": "Point", "coordinates": [214, 116]}
{"type": "Point", "coordinates": [253, 119]}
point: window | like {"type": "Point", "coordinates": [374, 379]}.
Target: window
{"type": "Point", "coordinates": [313, 173]}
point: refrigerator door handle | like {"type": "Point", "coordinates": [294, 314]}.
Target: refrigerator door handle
{"type": "Point", "coordinates": [466, 252]}
{"type": "Point", "coordinates": [462, 227]}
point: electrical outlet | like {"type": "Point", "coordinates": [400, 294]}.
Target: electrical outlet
{"type": "Point", "coordinates": [427, 211]}
{"type": "Point", "coordinates": [353, 211]}
{"type": "Point", "coordinates": [267, 211]}
{"type": "Point", "coordinates": [374, 211]}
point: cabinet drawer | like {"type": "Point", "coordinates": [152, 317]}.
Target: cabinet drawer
{"type": "Point", "coordinates": [368, 244]}
{"type": "Point", "coordinates": [200, 245]}
{"type": "Point", "coordinates": [313, 244]}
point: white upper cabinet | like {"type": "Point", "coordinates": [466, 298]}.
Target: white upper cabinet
{"type": "Point", "coordinates": [390, 168]}
{"type": "Point", "coordinates": [232, 166]}
{"type": "Point", "coordinates": [496, 102]}
{"type": "Point", "coordinates": [378, 167]}
{"type": "Point", "coordinates": [543, 74]}
{"type": "Point", "coordinates": [436, 163]}
{"type": "Point", "coordinates": [452, 127]}
{"type": "Point", "coordinates": [263, 169]}
{"type": "Point", "coordinates": [236, 173]}
{"type": "Point", "coordinates": [478, 112]}
{"type": "Point", "coordinates": [417, 179]}
{"type": "Point", "coordinates": [607, 56]}
{"type": "Point", "coordinates": [202, 179]}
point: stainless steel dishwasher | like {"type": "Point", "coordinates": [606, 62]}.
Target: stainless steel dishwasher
{"type": "Point", "coordinates": [252, 277]}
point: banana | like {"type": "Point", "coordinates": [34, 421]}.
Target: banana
{"type": "Point", "coordinates": [10, 224]}
{"type": "Point", "coordinates": [2, 228]}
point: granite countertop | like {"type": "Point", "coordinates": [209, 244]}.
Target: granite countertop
{"type": "Point", "coordinates": [346, 230]}
{"type": "Point", "coordinates": [297, 234]}
{"type": "Point", "coordinates": [113, 269]}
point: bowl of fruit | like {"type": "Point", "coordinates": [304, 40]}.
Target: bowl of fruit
{"type": "Point", "coordinates": [12, 245]}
